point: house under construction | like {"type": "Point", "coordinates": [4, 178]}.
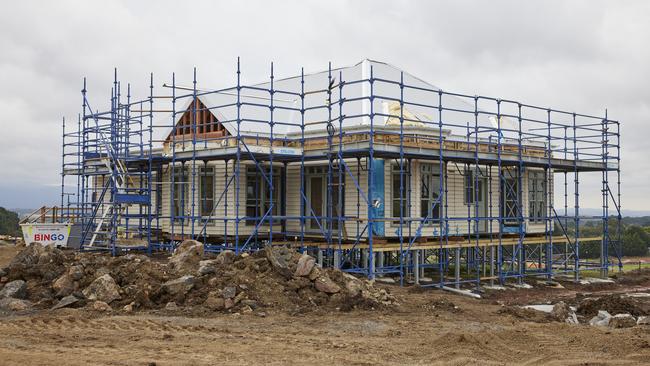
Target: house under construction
{"type": "Point", "coordinates": [368, 168]}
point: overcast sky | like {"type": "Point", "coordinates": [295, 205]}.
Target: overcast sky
{"type": "Point", "coordinates": [581, 56]}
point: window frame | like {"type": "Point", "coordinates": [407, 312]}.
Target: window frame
{"type": "Point", "coordinates": [537, 185]}
{"type": "Point", "coordinates": [179, 198]}
{"type": "Point", "coordinates": [210, 173]}
{"type": "Point", "coordinates": [469, 188]}
{"type": "Point", "coordinates": [434, 180]}
{"type": "Point", "coordinates": [261, 192]}
{"type": "Point", "coordinates": [396, 200]}
{"type": "Point", "coordinates": [507, 204]}
{"type": "Point", "coordinates": [158, 193]}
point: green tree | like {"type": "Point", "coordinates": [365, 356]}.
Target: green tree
{"type": "Point", "coordinates": [635, 241]}
{"type": "Point", "coordinates": [9, 223]}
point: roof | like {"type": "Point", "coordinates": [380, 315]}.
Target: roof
{"type": "Point", "coordinates": [420, 103]}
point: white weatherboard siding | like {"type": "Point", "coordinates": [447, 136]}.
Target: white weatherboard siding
{"type": "Point", "coordinates": [351, 198]}
{"type": "Point", "coordinates": [222, 221]}
{"type": "Point", "coordinates": [453, 204]}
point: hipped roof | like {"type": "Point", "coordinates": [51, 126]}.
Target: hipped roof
{"type": "Point", "coordinates": [420, 108]}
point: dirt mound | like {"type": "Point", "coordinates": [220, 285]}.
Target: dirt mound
{"type": "Point", "coordinates": [635, 277]}
{"type": "Point", "coordinates": [613, 304]}
{"type": "Point", "coordinates": [526, 314]}
{"type": "Point", "coordinates": [36, 262]}
{"type": "Point", "coordinates": [443, 304]}
{"type": "Point", "coordinates": [275, 278]}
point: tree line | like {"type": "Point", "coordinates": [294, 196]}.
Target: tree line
{"type": "Point", "coordinates": [9, 223]}
{"type": "Point", "coordinates": [635, 236]}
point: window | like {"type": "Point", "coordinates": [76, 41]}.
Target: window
{"type": "Point", "coordinates": [473, 187]}
{"type": "Point", "coordinates": [180, 193]}
{"type": "Point", "coordinates": [537, 196]}
{"type": "Point", "coordinates": [430, 192]}
{"type": "Point", "coordinates": [510, 196]}
{"type": "Point", "coordinates": [206, 191]}
{"type": "Point", "coordinates": [400, 199]}
{"type": "Point", "coordinates": [159, 194]}
{"type": "Point", "coordinates": [258, 194]}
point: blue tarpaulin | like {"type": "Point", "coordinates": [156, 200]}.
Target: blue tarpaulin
{"type": "Point", "coordinates": [378, 201]}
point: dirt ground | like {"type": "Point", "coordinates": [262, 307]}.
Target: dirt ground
{"type": "Point", "coordinates": [430, 327]}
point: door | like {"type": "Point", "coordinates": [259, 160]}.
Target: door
{"type": "Point", "coordinates": [319, 197]}
{"type": "Point", "coordinates": [476, 199]}
{"type": "Point", "coordinates": [316, 201]}
{"type": "Point", "coordinates": [483, 205]}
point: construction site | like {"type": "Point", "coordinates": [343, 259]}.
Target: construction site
{"type": "Point", "coordinates": [367, 168]}
{"type": "Point", "coordinates": [356, 215]}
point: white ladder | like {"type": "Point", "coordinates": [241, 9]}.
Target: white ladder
{"type": "Point", "coordinates": [121, 179]}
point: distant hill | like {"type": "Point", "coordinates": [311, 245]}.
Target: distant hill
{"type": "Point", "coordinates": [590, 211]}
{"type": "Point", "coordinates": [22, 212]}
{"type": "Point", "coordinates": [640, 221]}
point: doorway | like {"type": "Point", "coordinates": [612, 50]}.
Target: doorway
{"type": "Point", "coordinates": [317, 193]}
{"type": "Point", "coordinates": [476, 197]}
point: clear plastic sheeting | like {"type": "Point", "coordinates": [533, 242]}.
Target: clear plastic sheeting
{"type": "Point", "coordinates": [340, 97]}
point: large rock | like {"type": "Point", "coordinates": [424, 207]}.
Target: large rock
{"type": "Point", "coordinates": [64, 285]}
{"type": "Point", "coordinates": [36, 261]}
{"type": "Point", "coordinates": [214, 302]}
{"type": "Point", "coordinates": [101, 306]}
{"type": "Point", "coordinates": [239, 298]}
{"type": "Point", "coordinates": [572, 318]}
{"type": "Point", "coordinates": [250, 303]}
{"type": "Point", "coordinates": [229, 292]}
{"type": "Point", "coordinates": [622, 321]}
{"type": "Point", "coordinates": [30, 256]}
{"type": "Point", "coordinates": [207, 267]}
{"type": "Point", "coordinates": [305, 264]}
{"type": "Point", "coordinates": [129, 307]}
{"type": "Point", "coordinates": [354, 287]}
{"type": "Point", "coordinates": [275, 257]}
{"type": "Point", "coordinates": [326, 285]}
{"type": "Point", "coordinates": [36, 253]}
{"type": "Point", "coordinates": [103, 289]}
{"type": "Point", "coordinates": [16, 289]}
{"type": "Point", "coordinates": [179, 286]}
{"type": "Point", "coordinates": [11, 304]}
{"type": "Point", "coordinates": [315, 273]}
{"type": "Point", "coordinates": [66, 302]}
{"type": "Point", "coordinates": [76, 272]}
{"type": "Point", "coordinates": [187, 256]}
{"type": "Point", "coordinates": [225, 257]}
{"type": "Point", "coordinates": [643, 320]}
{"type": "Point", "coordinates": [601, 320]}
{"type": "Point", "coordinates": [562, 312]}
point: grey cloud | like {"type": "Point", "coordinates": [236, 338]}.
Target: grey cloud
{"type": "Point", "coordinates": [580, 56]}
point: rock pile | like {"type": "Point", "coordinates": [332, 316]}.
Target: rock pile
{"type": "Point", "coordinates": [12, 296]}
{"type": "Point", "coordinates": [274, 278]}
{"type": "Point", "coordinates": [563, 312]}
{"type": "Point", "coordinates": [597, 311]}
{"type": "Point", "coordinates": [601, 319]}
{"type": "Point", "coordinates": [612, 303]}
{"type": "Point", "coordinates": [604, 319]}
